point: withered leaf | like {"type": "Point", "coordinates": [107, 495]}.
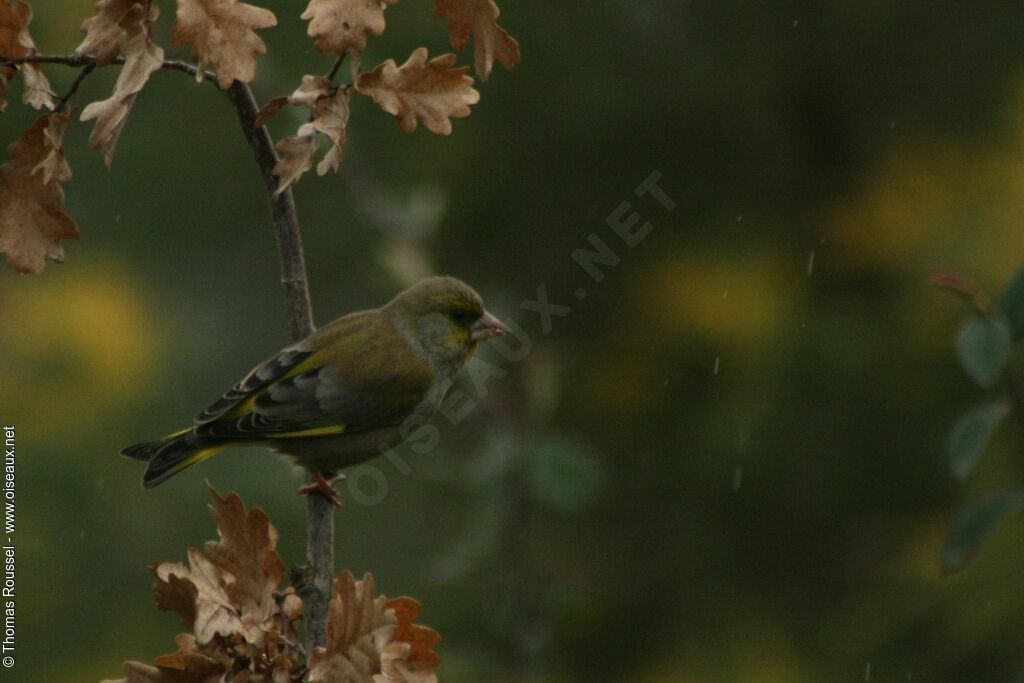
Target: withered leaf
{"type": "Point", "coordinates": [296, 156]}
{"type": "Point", "coordinates": [228, 588]}
{"type": "Point", "coordinates": [490, 41]}
{"type": "Point", "coordinates": [32, 219]}
{"type": "Point", "coordinates": [175, 594]}
{"type": "Point", "coordinates": [16, 42]}
{"type": "Point", "coordinates": [222, 33]}
{"type": "Point", "coordinates": [142, 58]}
{"type": "Point", "coordinates": [187, 665]}
{"type": "Point", "coordinates": [340, 25]}
{"type": "Point", "coordinates": [422, 639]}
{"type": "Point", "coordinates": [246, 550]}
{"type": "Point", "coordinates": [330, 117]}
{"type": "Point", "coordinates": [104, 34]}
{"type": "Point", "coordinates": [330, 111]}
{"type": "Point", "coordinates": [312, 89]}
{"type": "Point", "coordinates": [432, 92]}
{"type": "Point", "coordinates": [370, 639]}
{"type": "Point", "coordinates": [6, 74]}
{"type": "Point", "coordinates": [306, 95]}
{"type": "Point", "coordinates": [269, 110]}
{"type": "Point", "coordinates": [54, 164]}
{"type": "Point", "coordinates": [243, 629]}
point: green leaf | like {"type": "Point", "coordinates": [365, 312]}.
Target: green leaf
{"type": "Point", "coordinates": [1013, 304]}
{"type": "Point", "coordinates": [983, 347]}
{"type": "Point", "coordinates": [971, 433]}
{"type": "Point", "coordinates": [564, 476]}
{"type": "Point", "coordinates": [974, 526]}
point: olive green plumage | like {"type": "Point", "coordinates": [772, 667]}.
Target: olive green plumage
{"type": "Point", "coordinates": [341, 395]}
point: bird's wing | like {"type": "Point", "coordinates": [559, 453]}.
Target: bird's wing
{"type": "Point", "coordinates": [274, 368]}
{"type": "Point", "coordinates": [361, 374]}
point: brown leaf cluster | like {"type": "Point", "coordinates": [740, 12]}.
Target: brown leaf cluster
{"type": "Point", "coordinates": [337, 26]}
{"type": "Point", "coordinates": [329, 111]}
{"type": "Point", "coordinates": [227, 589]}
{"type": "Point", "coordinates": [490, 41]}
{"type": "Point", "coordinates": [429, 91]}
{"type": "Point", "coordinates": [104, 34]}
{"type": "Point", "coordinates": [15, 42]}
{"type": "Point", "coordinates": [373, 640]}
{"type": "Point", "coordinates": [241, 629]}
{"type": "Point", "coordinates": [32, 218]}
{"type": "Point", "coordinates": [222, 34]}
{"type": "Point", "coordinates": [226, 596]}
{"type": "Point", "coordinates": [142, 58]}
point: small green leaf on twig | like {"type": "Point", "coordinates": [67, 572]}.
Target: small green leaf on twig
{"type": "Point", "coordinates": [971, 433]}
{"type": "Point", "coordinates": [983, 347]}
{"type": "Point", "coordinates": [974, 526]}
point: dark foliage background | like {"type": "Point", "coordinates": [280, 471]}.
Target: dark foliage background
{"type": "Point", "coordinates": [616, 509]}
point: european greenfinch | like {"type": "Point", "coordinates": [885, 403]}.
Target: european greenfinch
{"type": "Point", "coordinates": [343, 394]}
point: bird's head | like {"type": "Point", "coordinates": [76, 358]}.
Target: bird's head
{"type": "Point", "coordinates": [446, 317]}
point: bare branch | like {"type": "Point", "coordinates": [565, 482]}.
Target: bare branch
{"type": "Point", "coordinates": [77, 60]}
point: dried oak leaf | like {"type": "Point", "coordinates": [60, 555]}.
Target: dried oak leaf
{"type": "Point", "coordinates": [227, 589]}
{"type": "Point", "coordinates": [372, 640]}
{"type": "Point", "coordinates": [330, 112]}
{"type": "Point", "coordinates": [490, 41]}
{"type": "Point", "coordinates": [54, 163]}
{"type": "Point", "coordinates": [340, 25]}
{"type": "Point", "coordinates": [6, 74]}
{"type": "Point", "coordinates": [432, 92]}
{"type": "Point", "coordinates": [32, 219]}
{"type": "Point", "coordinates": [187, 665]}
{"type": "Point", "coordinates": [306, 95]}
{"type": "Point", "coordinates": [296, 156]}
{"type": "Point", "coordinates": [422, 639]}
{"type": "Point", "coordinates": [222, 33]}
{"type": "Point", "coordinates": [330, 118]}
{"type": "Point", "coordinates": [142, 58]}
{"type": "Point", "coordinates": [15, 42]}
{"type": "Point", "coordinates": [104, 33]}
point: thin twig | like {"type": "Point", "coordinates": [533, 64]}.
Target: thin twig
{"type": "Point", "coordinates": [78, 60]}
{"type": "Point", "coordinates": [337, 65]}
{"type": "Point", "coordinates": [63, 101]}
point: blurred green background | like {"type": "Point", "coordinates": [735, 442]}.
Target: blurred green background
{"type": "Point", "coordinates": [722, 465]}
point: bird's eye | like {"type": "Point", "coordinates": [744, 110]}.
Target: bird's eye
{"type": "Point", "coordinates": [461, 317]}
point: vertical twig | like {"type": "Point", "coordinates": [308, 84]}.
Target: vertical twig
{"type": "Point", "coordinates": [315, 588]}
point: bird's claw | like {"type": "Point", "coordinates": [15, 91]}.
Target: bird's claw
{"type": "Point", "coordinates": [325, 487]}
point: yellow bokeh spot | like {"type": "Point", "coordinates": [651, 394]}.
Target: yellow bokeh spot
{"type": "Point", "coordinates": [728, 300]}
{"type": "Point", "coordinates": [933, 204]}
{"type": "Point", "coordinates": [74, 344]}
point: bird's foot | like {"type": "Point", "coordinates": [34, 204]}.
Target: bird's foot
{"type": "Point", "coordinates": [325, 487]}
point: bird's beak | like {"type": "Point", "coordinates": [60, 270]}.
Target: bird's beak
{"type": "Point", "coordinates": [486, 327]}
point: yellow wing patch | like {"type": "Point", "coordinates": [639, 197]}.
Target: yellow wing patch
{"type": "Point", "coordinates": [315, 431]}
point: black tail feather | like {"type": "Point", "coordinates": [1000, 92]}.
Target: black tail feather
{"type": "Point", "coordinates": [168, 456]}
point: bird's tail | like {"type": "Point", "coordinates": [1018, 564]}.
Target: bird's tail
{"type": "Point", "coordinates": [170, 455]}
